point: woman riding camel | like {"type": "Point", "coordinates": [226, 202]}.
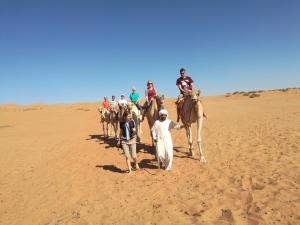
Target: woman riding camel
{"type": "Point", "coordinates": [150, 94]}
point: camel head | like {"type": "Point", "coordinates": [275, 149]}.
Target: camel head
{"type": "Point", "coordinates": [129, 106]}
{"type": "Point", "coordinates": [160, 100]}
{"type": "Point", "coordinates": [103, 112]}
{"type": "Point", "coordinates": [194, 94]}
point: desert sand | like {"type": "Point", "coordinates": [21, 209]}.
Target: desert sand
{"type": "Point", "coordinates": [56, 168]}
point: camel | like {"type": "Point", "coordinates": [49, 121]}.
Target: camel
{"type": "Point", "coordinates": [154, 106]}
{"type": "Point", "coordinates": [105, 120]}
{"type": "Point", "coordinates": [192, 112]}
{"type": "Point", "coordinates": [113, 119]}
{"type": "Point", "coordinates": [132, 108]}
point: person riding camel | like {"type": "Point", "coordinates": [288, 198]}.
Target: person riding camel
{"type": "Point", "coordinates": [134, 98]}
{"type": "Point", "coordinates": [150, 94]}
{"type": "Point", "coordinates": [122, 101]}
{"type": "Point", "coordinates": [113, 105]}
{"type": "Point", "coordinates": [185, 85]}
{"type": "Point", "coordinates": [105, 103]}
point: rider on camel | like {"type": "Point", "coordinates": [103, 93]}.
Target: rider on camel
{"type": "Point", "coordinates": [185, 85]}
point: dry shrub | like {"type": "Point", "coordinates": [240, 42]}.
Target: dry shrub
{"type": "Point", "coordinates": [254, 95]}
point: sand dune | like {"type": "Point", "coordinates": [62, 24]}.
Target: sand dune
{"type": "Point", "coordinates": [56, 169]}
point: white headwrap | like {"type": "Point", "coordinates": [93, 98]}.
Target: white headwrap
{"type": "Point", "coordinates": [163, 111]}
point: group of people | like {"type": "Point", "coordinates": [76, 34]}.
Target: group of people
{"type": "Point", "coordinates": [134, 97]}
{"type": "Point", "coordinates": [161, 128]}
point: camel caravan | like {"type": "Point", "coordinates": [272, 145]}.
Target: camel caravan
{"type": "Point", "coordinates": [116, 115]}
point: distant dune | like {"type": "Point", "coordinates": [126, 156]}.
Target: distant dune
{"type": "Point", "coordinates": [56, 169]}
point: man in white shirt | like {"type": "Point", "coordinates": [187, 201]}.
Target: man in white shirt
{"type": "Point", "coordinates": [122, 101]}
{"type": "Point", "coordinates": [162, 136]}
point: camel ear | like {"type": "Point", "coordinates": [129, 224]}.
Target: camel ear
{"type": "Point", "coordinates": [198, 92]}
{"type": "Point", "coordinates": [163, 96]}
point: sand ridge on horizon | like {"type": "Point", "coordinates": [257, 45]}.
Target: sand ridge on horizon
{"type": "Point", "coordinates": [56, 169]}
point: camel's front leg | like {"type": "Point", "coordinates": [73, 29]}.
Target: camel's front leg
{"type": "Point", "coordinates": [190, 139]}
{"type": "Point", "coordinates": [199, 139]}
{"type": "Point", "coordinates": [107, 130]}
{"type": "Point", "coordinates": [116, 131]}
{"type": "Point", "coordinates": [103, 128]}
{"type": "Point", "coordinates": [138, 131]}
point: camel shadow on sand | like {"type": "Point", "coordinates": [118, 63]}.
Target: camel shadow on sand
{"type": "Point", "coordinates": [184, 154]}
{"type": "Point", "coordinates": [113, 143]}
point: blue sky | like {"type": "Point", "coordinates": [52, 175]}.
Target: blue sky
{"type": "Point", "coordinates": [75, 51]}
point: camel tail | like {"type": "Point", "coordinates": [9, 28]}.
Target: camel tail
{"type": "Point", "coordinates": [204, 115]}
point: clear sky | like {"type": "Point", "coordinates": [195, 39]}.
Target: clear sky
{"type": "Point", "coordinates": [80, 50]}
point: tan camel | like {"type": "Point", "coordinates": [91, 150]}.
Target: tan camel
{"type": "Point", "coordinates": [154, 106]}
{"type": "Point", "coordinates": [105, 120]}
{"type": "Point", "coordinates": [132, 108]}
{"type": "Point", "coordinates": [113, 119]}
{"type": "Point", "coordinates": [192, 112]}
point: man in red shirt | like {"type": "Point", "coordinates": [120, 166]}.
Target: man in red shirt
{"type": "Point", "coordinates": [105, 103]}
{"type": "Point", "coordinates": [185, 85]}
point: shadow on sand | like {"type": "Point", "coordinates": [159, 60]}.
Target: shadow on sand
{"type": "Point", "coordinates": [112, 143]}
{"type": "Point", "coordinates": [184, 154]}
{"type": "Point", "coordinates": [111, 168]}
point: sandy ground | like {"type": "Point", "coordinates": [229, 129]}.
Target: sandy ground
{"type": "Point", "coordinates": [56, 169]}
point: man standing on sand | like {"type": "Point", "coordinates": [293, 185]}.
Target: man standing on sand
{"type": "Point", "coordinates": [128, 140]}
{"type": "Point", "coordinates": [162, 137]}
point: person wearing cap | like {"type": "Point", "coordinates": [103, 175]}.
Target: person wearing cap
{"type": "Point", "coordinates": [150, 94]}
{"type": "Point", "coordinates": [162, 136]}
{"type": "Point", "coordinates": [134, 98]}
{"type": "Point", "coordinates": [105, 103]}
{"type": "Point", "coordinates": [122, 101]}
{"type": "Point", "coordinates": [128, 140]}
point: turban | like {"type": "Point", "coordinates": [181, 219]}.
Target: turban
{"type": "Point", "coordinates": [163, 112]}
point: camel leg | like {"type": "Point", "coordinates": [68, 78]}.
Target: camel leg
{"type": "Point", "coordinates": [138, 130]}
{"type": "Point", "coordinates": [199, 139]}
{"type": "Point", "coordinates": [190, 139]}
{"type": "Point", "coordinates": [107, 130]}
{"type": "Point", "coordinates": [103, 128]}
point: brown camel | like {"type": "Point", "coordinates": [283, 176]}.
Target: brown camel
{"type": "Point", "coordinates": [154, 106]}
{"type": "Point", "coordinates": [113, 119]}
{"type": "Point", "coordinates": [192, 112]}
{"type": "Point", "coordinates": [105, 120]}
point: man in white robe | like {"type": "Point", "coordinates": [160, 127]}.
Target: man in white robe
{"type": "Point", "coordinates": [162, 136]}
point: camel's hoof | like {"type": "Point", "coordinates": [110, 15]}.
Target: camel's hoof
{"type": "Point", "coordinates": [191, 153]}
{"type": "Point", "coordinates": [202, 159]}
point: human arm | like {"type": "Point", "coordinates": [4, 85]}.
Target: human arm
{"type": "Point", "coordinates": [154, 132]}
{"type": "Point", "coordinates": [146, 95]}
{"type": "Point", "coordinates": [174, 125]}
